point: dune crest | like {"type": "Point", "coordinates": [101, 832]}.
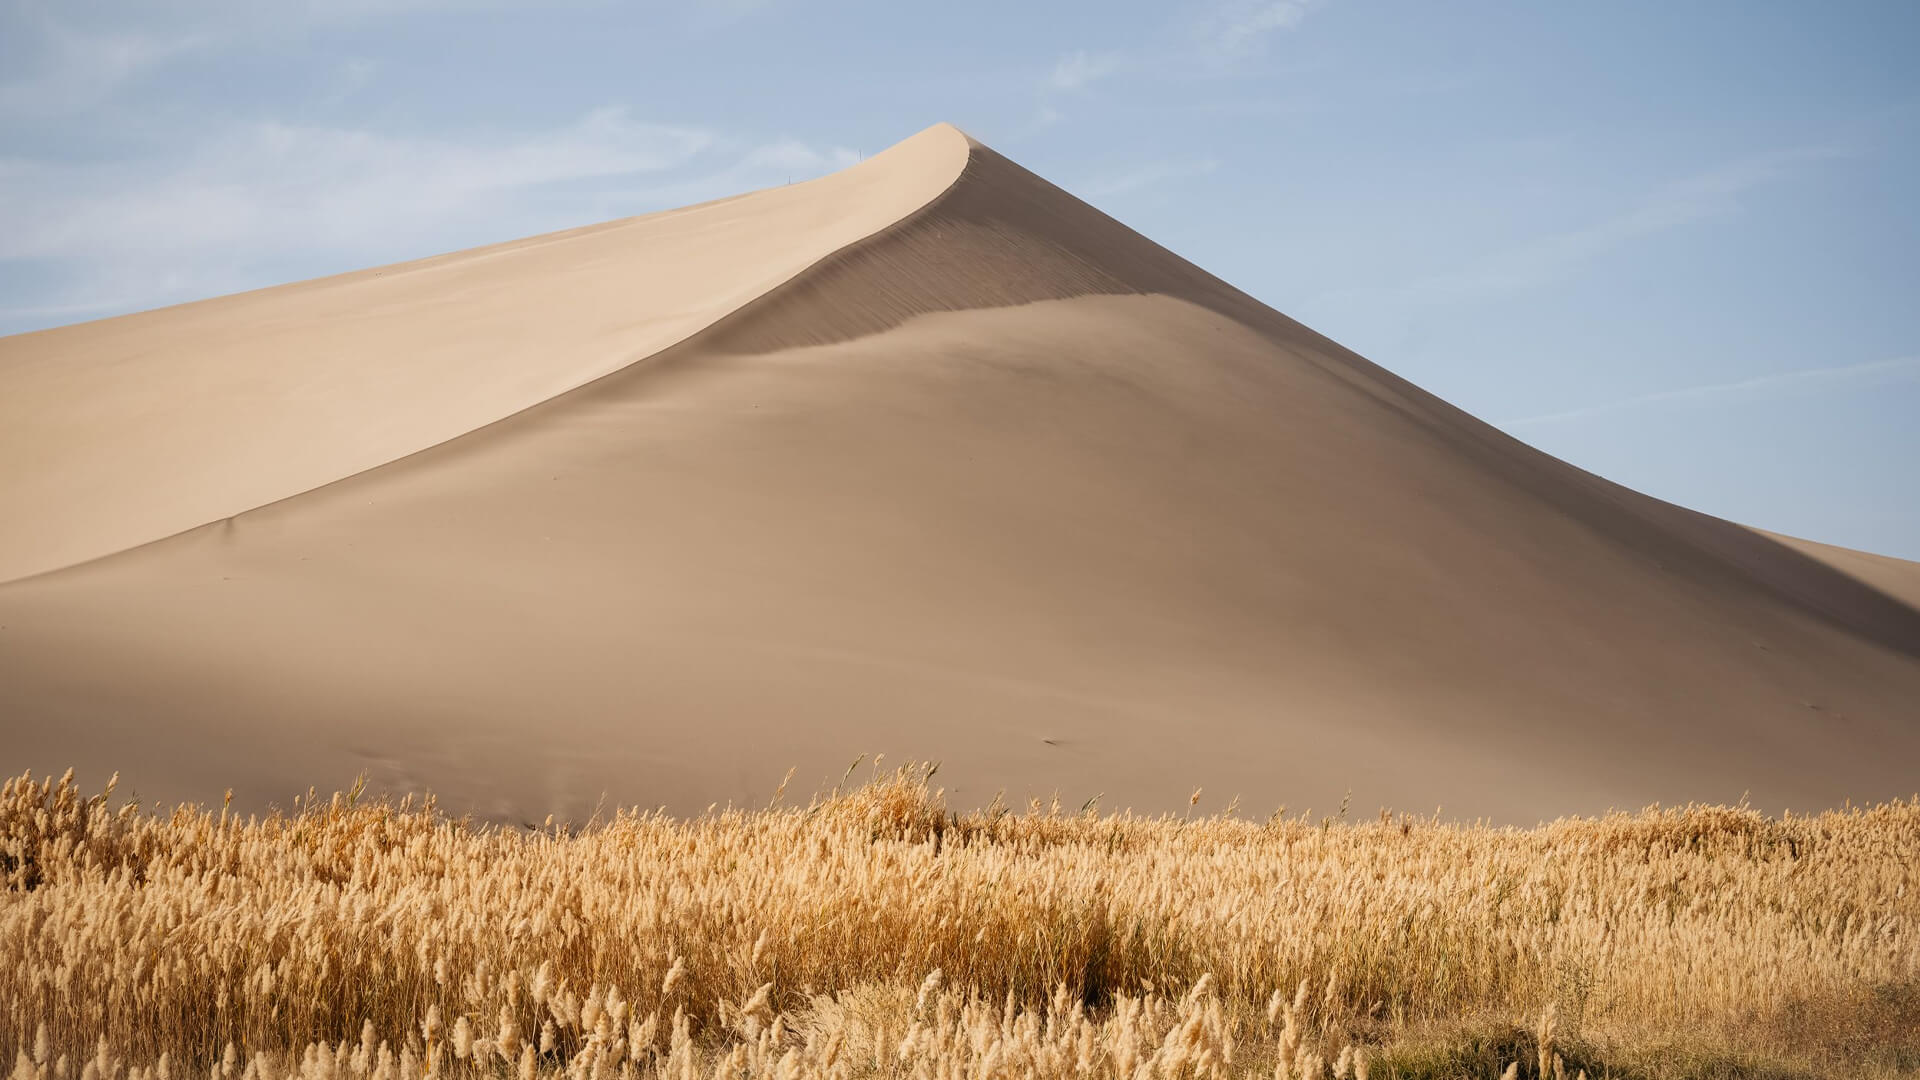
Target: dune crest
{"type": "Point", "coordinates": [1001, 483]}
{"type": "Point", "coordinates": [122, 431]}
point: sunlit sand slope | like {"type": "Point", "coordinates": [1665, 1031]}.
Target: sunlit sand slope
{"type": "Point", "coordinates": [1005, 485]}
{"type": "Point", "coordinates": [122, 431]}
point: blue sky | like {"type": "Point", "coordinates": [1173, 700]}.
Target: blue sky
{"type": "Point", "coordinates": [1671, 243]}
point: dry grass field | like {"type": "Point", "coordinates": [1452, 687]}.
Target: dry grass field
{"type": "Point", "coordinates": [874, 933]}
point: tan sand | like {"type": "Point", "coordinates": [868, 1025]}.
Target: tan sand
{"type": "Point", "coordinates": [117, 432]}
{"type": "Point", "coordinates": [998, 483]}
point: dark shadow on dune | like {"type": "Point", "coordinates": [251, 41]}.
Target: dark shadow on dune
{"type": "Point", "coordinates": [1003, 235]}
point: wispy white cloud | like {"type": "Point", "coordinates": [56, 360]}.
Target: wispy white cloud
{"type": "Point", "coordinates": [246, 16]}
{"type": "Point", "coordinates": [1225, 32]}
{"type": "Point", "coordinates": [1148, 175]}
{"type": "Point", "coordinates": [127, 218]}
{"type": "Point", "coordinates": [1237, 28]}
{"type": "Point", "coordinates": [802, 159]}
{"type": "Point", "coordinates": [1073, 73]}
{"type": "Point", "coordinates": [1715, 193]}
{"type": "Point", "coordinates": [349, 78]}
{"type": "Point", "coordinates": [76, 69]}
{"type": "Point", "coordinates": [246, 205]}
{"type": "Point", "coordinates": [764, 165]}
{"type": "Point", "coordinates": [81, 55]}
{"type": "Point", "coordinates": [266, 185]}
{"type": "Point", "coordinates": [1712, 194]}
{"type": "Point", "coordinates": [1805, 380]}
{"type": "Point", "coordinates": [715, 14]}
{"type": "Point", "coordinates": [1080, 69]}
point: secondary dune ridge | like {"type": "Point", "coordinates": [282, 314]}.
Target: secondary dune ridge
{"type": "Point", "coordinates": [967, 471]}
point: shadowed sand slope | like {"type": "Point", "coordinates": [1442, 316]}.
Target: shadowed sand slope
{"type": "Point", "coordinates": [1002, 484]}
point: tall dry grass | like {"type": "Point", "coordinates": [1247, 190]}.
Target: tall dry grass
{"type": "Point", "coordinates": [873, 933]}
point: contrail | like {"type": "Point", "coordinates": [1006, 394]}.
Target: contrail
{"type": "Point", "coordinates": [1803, 377]}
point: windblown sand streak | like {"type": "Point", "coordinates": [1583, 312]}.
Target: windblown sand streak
{"type": "Point", "coordinates": [872, 932]}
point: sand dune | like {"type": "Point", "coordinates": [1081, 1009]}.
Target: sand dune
{"type": "Point", "coordinates": [927, 458]}
{"type": "Point", "coordinates": [126, 430]}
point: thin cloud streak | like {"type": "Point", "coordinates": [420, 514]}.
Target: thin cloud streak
{"type": "Point", "coordinates": [80, 70]}
{"type": "Point", "coordinates": [257, 204]}
{"type": "Point", "coordinates": [1240, 27]}
{"type": "Point", "coordinates": [1149, 175]}
{"type": "Point", "coordinates": [1871, 373]}
{"type": "Point", "coordinates": [1704, 196]}
{"type": "Point", "coordinates": [1230, 31]}
{"type": "Point", "coordinates": [261, 187]}
{"type": "Point", "coordinates": [1697, 198]}
{"type": "Point", "coordinates": [1079, 69]}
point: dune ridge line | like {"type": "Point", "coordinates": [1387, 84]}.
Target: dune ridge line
{"type": "Point", "coordinates": [100, 468]}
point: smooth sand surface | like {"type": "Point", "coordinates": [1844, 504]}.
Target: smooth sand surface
{"type": "Point", "coordinates": [998, 483]}
{"type": "Point", "coordinates": [122, 431]}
